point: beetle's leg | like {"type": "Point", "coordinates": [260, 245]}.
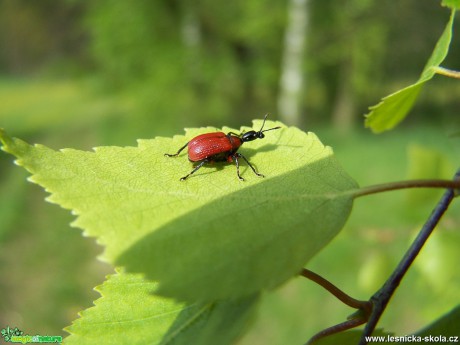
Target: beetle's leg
{"type": "Point", "coordinates": [195, 169]}
{"type": "Point", "coordinates": [235, 158]}
{"type": "Point", "coordinates": [250, 165]}
{"type": "Point", "coordinates": [177, 153]}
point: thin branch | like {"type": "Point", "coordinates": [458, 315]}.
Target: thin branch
{"type": "Point", "coordinates": [342, 296]}
{"type": "Point", "coordinates": [381, 298]}
{"type": "Point", "coordinates": [384, 187]}
{"type": "Point", "coordinates": [357, 319]}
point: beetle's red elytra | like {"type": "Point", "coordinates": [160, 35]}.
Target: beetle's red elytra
{"type": "Point", "coordinates": [220, 147]}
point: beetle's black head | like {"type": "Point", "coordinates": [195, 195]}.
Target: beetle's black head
{"type": "Point", "coordinates": [253, 135]}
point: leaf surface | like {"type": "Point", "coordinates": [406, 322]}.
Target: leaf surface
{"type": "Point", "coordinates": [127, 313]}
{"type": "Point", "coordinates": [212, 236]}
{"type": "Point", "coordinates": [395, 107]}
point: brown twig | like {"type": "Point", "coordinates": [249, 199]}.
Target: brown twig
{"type": "Point", "coordinates": [381, 298]}
{"type": "Point", "coordinates": [385, 187]}
{"type": "Point", "coordinates": [364, 307]}
{"type": "Point", "coordinates": [342, 296]}
{"type": "Point", "coordinates": [369, 312]}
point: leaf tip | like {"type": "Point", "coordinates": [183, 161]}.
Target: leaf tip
{"type": "Point", "coordinates": [452, 4]}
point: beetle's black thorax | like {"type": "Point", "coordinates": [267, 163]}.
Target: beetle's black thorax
{"type": "Point", "coordinates": [235, 143]}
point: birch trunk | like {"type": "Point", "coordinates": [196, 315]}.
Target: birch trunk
{"type": "Point", "coordinates": [292, 84]}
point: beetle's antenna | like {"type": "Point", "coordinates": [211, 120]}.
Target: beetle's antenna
{"type": "Point", "coordinates": [263, 124]}
{"type": "Point", "coordinates": [270, 129]}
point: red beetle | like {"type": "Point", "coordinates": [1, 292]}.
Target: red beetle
{"type": "Point", "coordinates": [220, 147]}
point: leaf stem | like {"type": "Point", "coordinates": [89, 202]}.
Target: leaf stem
{"type": "Point", "coordinates": [384, 187]}
{"type": "Point", "coordinates": [357, 319]}
{"type": "Point", "coordinates": [326, 284]}
{"type": "Point", "coordinates": [381, 298]}
{"type": "Point", "coordinates": [447, 72]}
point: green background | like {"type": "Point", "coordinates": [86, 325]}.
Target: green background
{"type": "Point", "coordinates": [80, 74]}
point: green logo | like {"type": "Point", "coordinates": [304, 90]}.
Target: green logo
{"type": "Point", "coordinates": [8, 333]}
{"type": "Point", "coordinates": [15, 335]}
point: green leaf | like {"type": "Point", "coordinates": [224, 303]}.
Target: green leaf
{"type": "Point", "coordinates": [395, 107]}
{"type": "Point", "coordinates": [352, 338]}
{"type": "Point", "coordinates": [212, 236]}
{"type": "Point", "coordinates": [447, 325]}
{"type": "Point", "coordinates": [454, 4]}
{"type": "Point", "coordinates": [127, 313]}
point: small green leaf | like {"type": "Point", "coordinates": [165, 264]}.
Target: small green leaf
{"type": "Point", "coordinates": [454, 4]}
{"type": "Point", "coordinates": [212, 236]}
{"type": "Point", "coordinates": [395, 107]}
{"type": "Point", "coordinates": [127, 313]}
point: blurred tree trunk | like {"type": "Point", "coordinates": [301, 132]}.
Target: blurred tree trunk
{"type": "Point", "coordinates": [343, 113]}
{"type": "Point", "coordinates": [192, 40]}
{"type": "Point", "coordinates": [292, 85]}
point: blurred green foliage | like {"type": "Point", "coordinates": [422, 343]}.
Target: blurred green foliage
{"type": "Point", "coordinates": [180, 64]}
{"type": "Point", "coordinates": [84, 74]}
{"type": "Point", "coordinates": [185, 63]}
